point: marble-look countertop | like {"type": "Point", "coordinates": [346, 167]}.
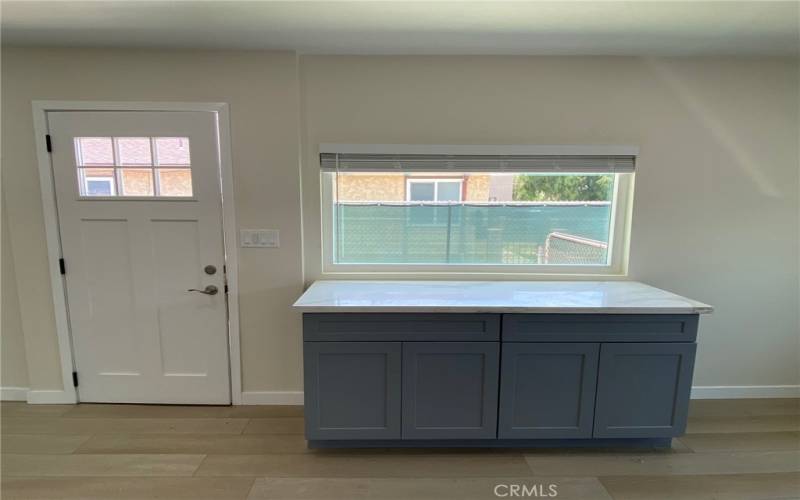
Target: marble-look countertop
{"type": "Point", "coordinates": [609, 297]}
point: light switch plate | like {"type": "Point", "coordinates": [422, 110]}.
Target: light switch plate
{"type": "Point", "coordinates": [259, 238]}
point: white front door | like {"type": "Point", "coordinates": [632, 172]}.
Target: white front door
{"type": "Point", "coordinates": [140, 218]}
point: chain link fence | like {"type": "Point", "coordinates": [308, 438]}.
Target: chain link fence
{"type": "Point", "coordinates": [463, 233]}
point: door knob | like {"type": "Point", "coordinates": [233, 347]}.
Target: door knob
{"type": "Point", "coordinates": [209, 290]}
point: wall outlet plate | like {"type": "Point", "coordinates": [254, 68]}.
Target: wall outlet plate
{"type": "Point", "coordinates": [259, 238]}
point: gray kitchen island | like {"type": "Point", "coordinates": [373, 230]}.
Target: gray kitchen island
{"type": "Point", "coordinates": [491, 363]}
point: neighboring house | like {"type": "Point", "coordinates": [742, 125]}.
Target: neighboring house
{"type": "Point", "coordinates": [441, 187]}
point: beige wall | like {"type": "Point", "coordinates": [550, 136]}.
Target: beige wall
{"type": "Point", "coordinates": [716, 206]}
{"type": "Point", "coordinates": [261, 88]}
{"type": "Point", "coordinates": [716, 202]}
{"type": "Point", "coordinates": [14, 370]}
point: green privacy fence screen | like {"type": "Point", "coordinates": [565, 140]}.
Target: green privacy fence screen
{"type": "Point", "coordinates": [471, 234]}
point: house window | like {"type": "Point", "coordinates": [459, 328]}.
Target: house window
{"type": "Point", "coordinates": [424, 189]}
{"type": "Point", "coordinates": [475, 213]}
{"type": "Point", "coordinates": [133, 167]}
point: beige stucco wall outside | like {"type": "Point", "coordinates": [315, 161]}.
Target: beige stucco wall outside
{"type": "Point", "coordinates": [716, 207]}
{"type": "Point", "coordinates": [392, 187]}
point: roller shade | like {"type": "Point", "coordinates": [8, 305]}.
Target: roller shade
{"type": "Point", "coordinates": [354, 162]}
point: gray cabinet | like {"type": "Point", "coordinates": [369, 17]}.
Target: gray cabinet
{"type": "Point", "coordinates": [352, 390]}
{"type": "Point", "coordinates": [438, 379]}
{"type": "Point", "coordinates": [547, 390]}
{"type": "Point", "coordinates": [450, 390]}
{"type": "Point", "coordinates": [643, 389]}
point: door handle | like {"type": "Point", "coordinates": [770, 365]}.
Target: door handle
{"type": "Point", "coordinates": [209, 290]}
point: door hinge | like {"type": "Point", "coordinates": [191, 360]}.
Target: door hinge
{"type": "Point", "coordinates": [49, 143]}
{"type": "Point", "coordinates": [226, 288]}
{"type": "Point", "coordinates": [62, 266]}
{"type": "Point", "coordinates": [75, 379]}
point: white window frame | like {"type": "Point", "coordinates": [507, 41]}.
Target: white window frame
{"type": "Point", "coordinates": [618, 246]}
{"type": "Point", "coordinates": [435, 181]}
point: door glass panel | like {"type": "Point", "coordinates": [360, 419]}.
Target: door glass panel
{"type": "Point", "coordinates": [134, 151]}
{"type": "Point", "coordinates": [174, 182]}
{"type": "Point", "coordinates": [136, 181]}
{"type": "Point", "coordinates": [172, 150]}
{"type": "Point", "coordinates": [97, 182]}
{"type": "Point", "coordinates": [94, 151]}
{"type": "Point", "coordinates": [132, 170]}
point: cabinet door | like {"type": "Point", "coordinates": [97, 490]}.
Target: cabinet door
{"type": "Point", "coordinates": [352, 390]}
{"type": "Point", "coordinates": [643, 389]}
{"type": "Point", "coordinates": [547, 390]}
{"type": "Point", "coordinates": [450, 390]}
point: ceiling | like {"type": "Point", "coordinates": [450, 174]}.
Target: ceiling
{"type": "Point", "coordinates": [391, 27]}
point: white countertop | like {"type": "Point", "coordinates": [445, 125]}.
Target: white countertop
{"type": "Point", "coordinates": [617, 297]}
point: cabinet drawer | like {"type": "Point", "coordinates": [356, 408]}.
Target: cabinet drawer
{"type": "Point", "coordinates": [600, 327]}
{"type": "Point", "coordinates": [391, 327]}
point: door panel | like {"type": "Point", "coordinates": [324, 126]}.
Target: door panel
{"type": "Point", "coordinates": [138, 334]}
{"type": "Point", "coordinates": [643, 389]}
{"type": "Point", "coordinates": [450, 390]}
{"type": "Point", "coordinates": [547, 390]}
{"type": "Point", "coordinates": [352, 390]}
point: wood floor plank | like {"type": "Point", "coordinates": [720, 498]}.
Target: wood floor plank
{"type": "Point", "coordinates": [265, 411]}
{"type": "Point", "coordinates": [666, 464]}
{"type": "Point", "coordinates": [61, 425]}
{"type": "Point", "coordinates": [22, 409]}
{"type": "Point", "coordinates": [206, 444]}
{"type": "Point", "coordinates": [743, 407]}
{"type": "Point", "coordinates": [41, 443]}
{"type": "Point", "coordinates": [125, 488]}
{"type": "Point", "coordinates": [762, 423]}
{"type": "Point", "coordinates": [100, 465]}
{"type": "Point", "coordinates": [783, 485]}
{"type": "Point", "coordinates": [367, 464]}
{"type": "Point", "coordinates": [480, 488]}
{"type": "Point", "coordinates": [742, 441]}
{"type": "Point", "coordinates": [275, 425]}
{"type": "Point", "coordinates": [175, 411]}
{"type": "Point", "coordinates": [85, 410]}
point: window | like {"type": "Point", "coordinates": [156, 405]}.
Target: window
{"type": "Point", "coordinates": [424, 189]}
{"type": "Point", "coordinates": [133, 166]}
{"type": "Point", "coordinates": [475, 213]}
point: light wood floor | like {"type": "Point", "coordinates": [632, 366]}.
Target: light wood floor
{"type": "Point", "coordinates": [734, 449]}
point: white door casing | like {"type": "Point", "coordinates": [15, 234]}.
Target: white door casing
{"type": "Point", "coordinates": [138, 335]}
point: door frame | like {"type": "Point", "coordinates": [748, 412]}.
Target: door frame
{"type": "Point", "coordinates": [57, 283]}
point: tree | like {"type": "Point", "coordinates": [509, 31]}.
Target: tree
{"type": "Point", "coordinates": [537, 187]}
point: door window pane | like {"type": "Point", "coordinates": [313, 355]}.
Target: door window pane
{"type": "Point", "coordinates": [172, 150]}
{"type": "Point", "coordinates": [134, 151]}
{"type": "Point", "coordinates": [94, 151]}
{"type": "Point", "coordinates": [97, 181]}
{"type": "Point", "coordinates": [174, 182]}
{"type": "Point", "coordinates": [136, 181]}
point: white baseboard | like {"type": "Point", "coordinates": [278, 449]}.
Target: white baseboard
{"type": "Point", "coordinates": [50, 398]}
{"type": "Point", "coordinates": [13, 393]}
{"type": "Point", "coordinates": [745, 391]}
{"type": "Point", "coordinates": [272, 398]}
